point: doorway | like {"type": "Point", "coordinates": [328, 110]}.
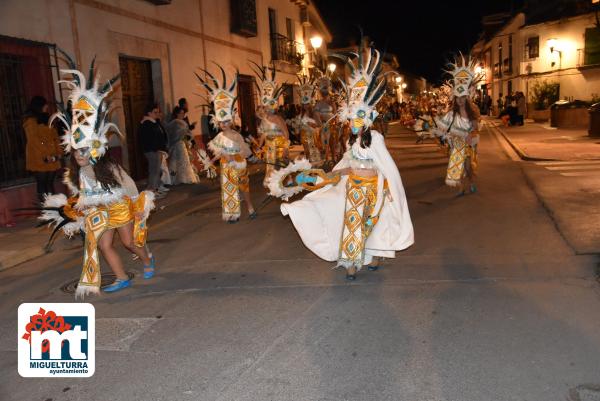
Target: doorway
{"type": "Point", "coordinates": [138, 92]}
{"type": "Point", "coordinates": [246, 106]}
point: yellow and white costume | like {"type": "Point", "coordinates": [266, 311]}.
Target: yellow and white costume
{"type": "Point", "coordinates": [333, 222]}
{"type": "Point", "coordinates": [454, 128]}
{"type": "Point", "coordinates": [308, 136]}
{"type": "Point", "coordinates": [359, 217]}
{"type": "Point", "coordinates": [234, 173]}
{"type": "Point", "coordinates": [105, 209]}
{"type": "Point", "coordinates": [303, 123]}
{"type": "Point", "coordinates": [276, 145]}
{"type": "Point", "coordinates": [92, 208]}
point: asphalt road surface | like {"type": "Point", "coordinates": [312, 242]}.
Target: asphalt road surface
{"type": "Point", "coordinates": [489, 304]}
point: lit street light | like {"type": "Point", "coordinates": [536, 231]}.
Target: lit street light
{"type": "Point", "coordinates": [332, 67]}
{"type": "Point", "coordinates": [316, 41]}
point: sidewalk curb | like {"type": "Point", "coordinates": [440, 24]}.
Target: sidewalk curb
{"type": "Point", "coordinates": [522, 155]}
{"type": "Point", "coordinates": [14, 258]}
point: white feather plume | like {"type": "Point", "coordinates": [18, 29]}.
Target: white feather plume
{"type": "Point", "coordinates": [275, 181]}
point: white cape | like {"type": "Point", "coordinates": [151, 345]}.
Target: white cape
{"type": "Point", "coordinates": [319, 216]}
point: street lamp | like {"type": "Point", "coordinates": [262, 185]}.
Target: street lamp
{"type": "Point", "coordinates": [316, 41]}
{"type": "Point", "coordinates": [401, 86]}
{"type": "Point", "coordinates": [331, 67]}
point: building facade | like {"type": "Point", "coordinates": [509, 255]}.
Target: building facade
{"type": "Point", "coordinates": [523, 52]}
{"type": "Point", "coordinates": [156, 46]}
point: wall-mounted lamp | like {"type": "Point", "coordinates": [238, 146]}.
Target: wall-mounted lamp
{"type": "Point", "coordinates": [398, 79]}
{"type": "Point", "coordinates": [552, 44]}
{"type": "Point", "coordinates": [316, 41]}
{"type": "Point", "coordinates": [332, 67]}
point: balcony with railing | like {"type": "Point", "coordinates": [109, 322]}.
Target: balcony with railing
{"type": "Point", "coordinates": [285, 49]}
{"type": "Point", "coordinates": [588, 59]}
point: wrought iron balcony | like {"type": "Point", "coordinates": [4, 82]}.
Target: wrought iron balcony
{"type": "Point", "coordinates": [588, 59]}
{"type": "Point", "coordinates": [285, 49]}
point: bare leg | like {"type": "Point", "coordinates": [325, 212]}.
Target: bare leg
{"type": "Point", "coordinates": [110, 254]}
{"type": "Point", "coordinates": [248, 201]}
{"type": "Point", "coordinates": [126, 235]}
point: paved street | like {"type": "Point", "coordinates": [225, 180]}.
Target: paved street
{"type": "Point", "coordinates": [491, 303]}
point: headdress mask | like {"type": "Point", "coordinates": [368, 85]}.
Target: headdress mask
{"type": "Point", "coordinates": [464, 77]}
{"type": "Point", "coordinates": [364, 88]}
{"type": "Point", "coordinates": [307, 89]}
{"type": "Point", "coordinates": [222, 97]}
{"type": "Point", "coordinates": [86, 119]}
{"type": "Point", "coordinates": [268, 88]}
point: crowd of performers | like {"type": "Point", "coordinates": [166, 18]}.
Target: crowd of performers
{"type": "Point", "coordinates": [355, 213]}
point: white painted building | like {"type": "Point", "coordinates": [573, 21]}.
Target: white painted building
{"type": "Point", "coordinates": [565, 51]}
{"type": "Point", "coordinates": [156, 45]}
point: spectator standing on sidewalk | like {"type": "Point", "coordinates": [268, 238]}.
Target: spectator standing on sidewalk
{"type": "Point", "coordinates": [500, 105]}
{"type": "Point", "coordinates": [521, 108]}
{"type": "Point", "coordinates": [179, 159]}
{"type": "Point", "coordinates": [183, 104]}
{"type": "Point", "coordinates": [165, 175]}
{"type": "Point", "coordinates": [42, 152]}
{"type": "Point", "coordinates": [152, 142]}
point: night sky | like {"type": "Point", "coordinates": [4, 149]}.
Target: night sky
{"type": "Point", "coordinates": [423, 34]}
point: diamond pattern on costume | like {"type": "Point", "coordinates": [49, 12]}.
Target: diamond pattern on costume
{"type": "Point", "coordinates": [230, 191]}
{"type": "Point", "coordinates": [361, 196]}
{"type": "Point", "coordinates": [456, 163]}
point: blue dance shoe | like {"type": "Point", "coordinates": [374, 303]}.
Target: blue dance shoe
{"type": "Point", "coordinates": [118, 285]}
{"type": "Point", "coordinates": [149, 270]}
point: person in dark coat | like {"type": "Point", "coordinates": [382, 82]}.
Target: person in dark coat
{"type": "Point", "coordinates": [154, 144]}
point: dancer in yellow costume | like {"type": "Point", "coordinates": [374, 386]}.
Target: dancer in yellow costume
{"type": "Point", "coordinates": [104, 198]}
{"type": "Point", "coordinates": [363, 215]}
{"type": "Point", "coordinates": [274, 135]}
{"type": "Point", "coordinates": [306, 122]}
{"type": "Point", "coordinates": [325, 109]}
{"type": "Point", "coordinates": [229, 147]}
{"type": "Point", "coordinates": [460, 127]}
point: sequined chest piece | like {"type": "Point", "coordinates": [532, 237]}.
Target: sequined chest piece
{"type": "Point", "coordinates": [228, 146]}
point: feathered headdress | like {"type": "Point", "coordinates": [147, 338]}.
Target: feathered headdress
{"type": "Point", "coordinates": [464, 76]}
{"type": "Point", "coordinates": [323, 80]}
{"type": "Point", "coordinates": [364, 88]}
{"type": "Point", "coordinates": [307, 89]}
{"type": "Point", "coordinates": [221, 96]}
{"type": "Point", "coordinates": [86, 118]}
{"type": "Point", "coordinates": [268, 88]}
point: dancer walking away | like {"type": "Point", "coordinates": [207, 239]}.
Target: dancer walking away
{"type": "Point", "coordinates": [365, 215]}
{"type": "Point", "coordinates": [104, 198]}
